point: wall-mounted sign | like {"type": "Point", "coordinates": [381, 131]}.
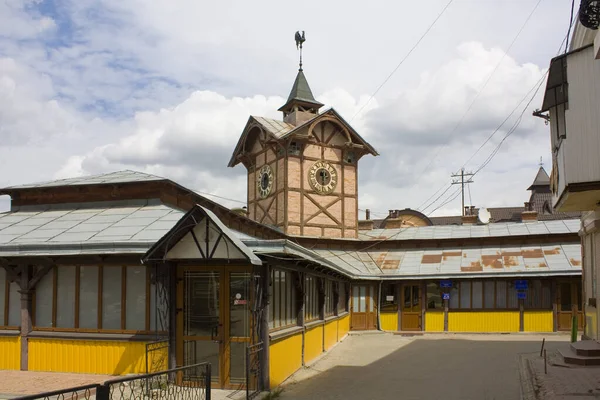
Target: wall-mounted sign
{"type": "Point", "coordinates": [389, 298]}
{"type": "Point", "coordinates": [445, 296]}
{"type": "Point", "coordinates": [521, 295]}
{"type": "Point", "coordinates": [446, 283]}
{"type": "Point", "coordinates": [521, 285]}
{"type": "Point", "coordinates": [238, 302]}
{"type": "Point", "coordinates": [238, 296]}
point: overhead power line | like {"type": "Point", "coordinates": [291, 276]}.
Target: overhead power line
{"type": "Point", "coordinates": [404, 59]}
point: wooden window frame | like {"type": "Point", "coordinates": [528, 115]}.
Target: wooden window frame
{"type": "Point", "coordinates": [342, 300]}
{"type": "Point", "coordinates": [288, 300]}
{"type": "Point", "coordinates": [330, 298]}
{"type": "Point", "coordinates": [310, 290]}
{"type": "Point", "coordinates": [530, 291]}
{"type": "Point", "coordinates": [99, 329]}
{"type": "Point", "coordinates": [4, 324]}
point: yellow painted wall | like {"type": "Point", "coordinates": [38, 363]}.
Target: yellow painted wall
{"type": "Point", "coordinates": [538, 321]}
{"type": "Point", "coordinates": [343, 326]}
{"type": "Point", "coordinates": [87, 356]}
{"type": "Point", "coordinates": [10, 352]}
{"type": "Point", "coordinates": [313, 343]}
{"type": "Point", "coordinates": [389, 321]}
{"type": "Point", "coordinates": [285, 358]}
{"type": "Point", "coordinates": [330, 334]}
{"type": "Point", "coordinates": [483, 321]}
{"type": "Point", "coordinates": [434, 321]}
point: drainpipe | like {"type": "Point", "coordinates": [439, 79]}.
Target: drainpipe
{"type": "Point", "coordinates": [379, 307]}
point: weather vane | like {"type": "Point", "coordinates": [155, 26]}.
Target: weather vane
{"type": "Point", "coordinates": [299, 40]}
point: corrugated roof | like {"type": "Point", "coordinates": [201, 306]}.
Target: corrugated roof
{"type": "Point", "coordinates": [273, 126]}
{"type": "Point", "coordinates": [459, 262]}
{"type": "Point", "coordinates": [110, 178]}
{"type": "Point", "coordinates": [470, 231]}
{"type": "Point", "coordinates": [99, 227]}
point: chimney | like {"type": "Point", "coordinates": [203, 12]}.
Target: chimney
{"type": "Point", "coordinates": [367, 214]}
{"type": "Point", "coordinates": [470, 215]}
{"type": "Point", "coordinates": [393, 223]}
{"type": "Point", "coordinates": [529, 214]}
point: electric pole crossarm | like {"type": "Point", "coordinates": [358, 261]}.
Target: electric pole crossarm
{"type": "Point", "coordinates": [462, 182]}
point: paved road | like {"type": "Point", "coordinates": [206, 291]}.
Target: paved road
{"type": "Point", "coordinates": [481, 367]}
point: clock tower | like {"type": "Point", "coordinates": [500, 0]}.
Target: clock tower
{"type": "Point", "coordinates": [303, 170]}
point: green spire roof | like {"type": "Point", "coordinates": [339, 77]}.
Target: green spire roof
{"type": "Point", "coordinates": [300, 93]}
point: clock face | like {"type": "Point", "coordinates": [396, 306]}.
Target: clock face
{"type": "Point", "coordinates": [264, 181]}
{"type": "Point", "coordinates": [323, 177]}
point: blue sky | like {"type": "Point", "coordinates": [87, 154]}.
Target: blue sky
{"type": "Point", "coordinates": [95, 86]}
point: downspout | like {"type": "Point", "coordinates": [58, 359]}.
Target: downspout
{"type": "Point", "coordinates": [379, 307]}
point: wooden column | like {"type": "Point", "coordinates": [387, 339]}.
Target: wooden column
{"type": "Point", "coordinates": [446, 315]}
{"type": "Point", "coordinates": [521, 315]}
{"type": "Point", "coordinates": [26, 311]}
{"type": "Point", "coordinates": [554, 297]}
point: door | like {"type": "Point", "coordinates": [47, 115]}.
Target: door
{"type": "Point", "coordinates": [363, 307]}
{"type": "Point", "coordinates": [569, 302]}
{"type": "Point", "coordinates": [214, 325]}
{"type": "Point", "coordinates": [411, 307]}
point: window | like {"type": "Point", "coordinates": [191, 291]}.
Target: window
{"type": "Point", "coordinates": [283, 312]}
{"type": "Point", "coordinates": [538, 295]}
{"type": "Point", "coordinates": [10, 301]}
{"type": "Point", "coordinates": [434, 297]}
{"type": "Point", "coordinates": [329, 299]}
{"type": "Point", "coordinates": [389, 300]}
{"type": "Point", "coordinates": [311, 302]}
{"type": "Point", "coordinates": [488, 294]}
{"type": "Point", "coordinates": [94, 298]}
{"type": "Point", "coordinates": [295, 149]}
{"type": "Point", "coordinates": [342, 298]}
{"type": "Point", "coordinates": [350, 157]}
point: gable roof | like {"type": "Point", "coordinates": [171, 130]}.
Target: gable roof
{"type": "Point", "coordinates": [102, 179]}
{"type": "Point", "coordinates": [280, 130]}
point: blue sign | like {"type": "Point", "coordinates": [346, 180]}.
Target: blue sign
{"type": "Point", "coordinates": [521, 285]}
{"type": "Point", "coordinates": [445, 296]}
{"type": "Point", "coordinates": [446, 284]}
{"type": "Point", "coordinates": [521, 295]}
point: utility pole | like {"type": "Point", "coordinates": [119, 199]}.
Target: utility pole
{"type": "Point", "coordinates": [462, 184]}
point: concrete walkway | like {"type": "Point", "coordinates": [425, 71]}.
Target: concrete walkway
{"type": "Point", "coordinates": [446, 366]}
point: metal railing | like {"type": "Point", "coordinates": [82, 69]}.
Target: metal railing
{"type": "Point", "coordinates": [253, 373]}
{"type": "Point", "coordinates": [157, 355]}
{"type": "Point", "coordinates": [185, 383]}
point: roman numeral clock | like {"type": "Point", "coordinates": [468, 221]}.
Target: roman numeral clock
{"type": "Point", "coordinates": [323, 177]}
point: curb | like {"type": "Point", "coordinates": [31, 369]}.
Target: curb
{"type": "Point", "coordinates": [527, 378]}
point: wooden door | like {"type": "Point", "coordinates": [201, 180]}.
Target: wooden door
{"type": "Point", "coordinates": [214, 325]}
{"type": "Point", "coordinates": [363, 308]}
{"type": "Point", "coordinates": [411, 307]}
{"type": "Point", "coordinates": [569, 303]}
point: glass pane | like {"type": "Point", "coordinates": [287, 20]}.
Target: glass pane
{"type": "Point", "coordinates": [197, 351]}
{"type": "Point", "coordinates": [577, 288]}
{"type": "Point", "coordinates": [14, 305]}
{"type": "Point", "coordinates": [65, 297]}
{"type": "Point", "coordinates": [363, 299]}
{"type": "Point", "coordinates": [293, 294]}
{"type": "Point", "coordinates": [488, 293]}
{"type": "Point", "coordinates": [477, 294]}
{"type": "Point", "coordinates": [501, 294]}
{"type": "Point", "coordinates": [342, 298]}
{"type": "Point", "coordinates": [88, 297]}
{"type": "Point", "coordinates": [407, 298]}
{"type": "Point", "coordinates": [111, 297]}
{"type": "Point", "coordinates": [434, 298]}
{"type": "Point", "coordinates": [465, 294]}
{"type": "Point", "coordinates": [238, 362]}
{"type": "Point", "coordinates": [277, 298]}
{"type": "Point", "coordinates": [453, 302]}
{"type": "Point", "coordinates": [546, 295]}
{"type": "Point", "coordinates": [201, 304]}
{"type": "Point", "coordinates": [565, 296]}
{"type": "Point", "coordinates": [416, 298]}
{"type": "Point", "coordinates": [2, 294]}
{"type": "Point", "coordinates": [271, 302]}
{"type": "Point", "coordinates": [43, 301]}
{"type": "Point", "coordinates": [355, 299]}
{"type": "Point", "coordinates": [135, 299]}
{"type": "Point", "coordinates": [239, 303]}
{"type": "Point", "coordinates": [513, 300]}
{"type": "Point", "coordinates": [159, 316]}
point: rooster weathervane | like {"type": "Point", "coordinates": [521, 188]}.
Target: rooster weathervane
{"type": "Point", "coordinates": [299, 40]}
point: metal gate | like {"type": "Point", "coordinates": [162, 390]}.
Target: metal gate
{"type": "Point", "coordinates": [253, 373]}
